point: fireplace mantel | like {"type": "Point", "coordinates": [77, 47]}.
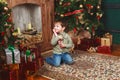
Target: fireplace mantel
{"type": "Point", "coordinates": [47, 13]}
{"type": "Point", "coordinates": [13, 3]}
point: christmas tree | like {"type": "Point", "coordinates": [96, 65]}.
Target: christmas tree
{"type": "Point", "coordinates": [85, 14]}
{"type": "Point", "coordinates": [6, 25]}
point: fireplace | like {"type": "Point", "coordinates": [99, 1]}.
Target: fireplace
{"type": "Point", "coordinates": [36, 14]}
{"type": "Point", "coordinates": [27, 16]}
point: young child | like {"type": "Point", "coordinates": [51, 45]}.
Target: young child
{"type": "Point", "coordinates": [62, 44]}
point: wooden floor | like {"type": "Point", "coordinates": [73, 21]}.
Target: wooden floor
{"type": "Point", "coordinates": [115, 52]}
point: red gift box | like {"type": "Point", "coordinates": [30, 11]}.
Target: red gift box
{"type": "Point", "coordinates": [32, 66]}
{"type": "Point", "coordinates": [104, 49]}
{"type": "Point", "coordinates": [35, 51]}
{"type": "Point", "coordinates": [9, 75]}
{"type": "Point", "coordinates": [87, 43]}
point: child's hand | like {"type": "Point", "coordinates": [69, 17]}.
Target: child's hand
{"type": "Point", "coordinates": [61, 44]}
{"type": "Point", "coordinates": [54, 32]}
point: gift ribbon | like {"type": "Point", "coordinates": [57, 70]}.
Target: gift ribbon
{"type": "Point", "coordinates": [11, 48]}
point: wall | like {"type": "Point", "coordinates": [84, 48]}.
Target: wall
{"type": "Point", "coordinates": [112, 18]}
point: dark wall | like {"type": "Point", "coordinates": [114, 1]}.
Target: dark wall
{"type": "Point", "coordinates": [111, 18]}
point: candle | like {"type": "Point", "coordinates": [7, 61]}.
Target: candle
{"type": "Point", "coordinates": [18, 29]}
{"type": "Point", "coordinates": [29, 26]}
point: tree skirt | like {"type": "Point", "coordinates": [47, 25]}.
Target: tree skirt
{"type": "Point", "coordinates": [87, 66]}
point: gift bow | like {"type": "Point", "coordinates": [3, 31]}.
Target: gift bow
{"type": "Point", "coordinates": [28, 52]}
{"type": "Point", "coordinates": [11, 48]}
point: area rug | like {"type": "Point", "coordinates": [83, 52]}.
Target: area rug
{"type": "Point", "coordinates": [87, 66]}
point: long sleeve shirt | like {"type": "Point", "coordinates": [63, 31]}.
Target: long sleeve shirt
{"type": "Point", "coordinates": [66, 40]}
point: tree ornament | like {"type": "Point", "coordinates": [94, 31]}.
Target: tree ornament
{"type": "Point", "coordinates": [87, 28]}
{"type": "Point", "coordinates": [9, 19]}
{"type": "Point", "coordinates": [2, 33]}
{"type": "Point", "coordinates": [66, 4]}
{"type": "Point", "coordinates": [76, 20]}
{"type": "Point", "coordinates": [8, 14]}
{"type": "Point", "coordinates": [91, 13]}
{"type": "Point", "coordinates": [81, 6]}
{"type": "Point", "coordinates": [60, 2]}
{"type": "Point", "coordinates": [98, 7]}
{"type": "Point", "coordinates": [6, 8]}
{"type": "Point", "coordinates": [74, 30]}
{"type": "Point", "coordinates": [89, 7]}
{"type": "Point", "coordinates": [99, 15]}
{"type": "Point", "coordinates": [62, 15]}
{"type": "Point", "coordinates": [3, 42]}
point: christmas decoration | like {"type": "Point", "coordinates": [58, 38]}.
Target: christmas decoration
{"type": "Point", "coordinates": [12, 55]}
{"type": "Point", "coordinates": [105, 42]}
{"type": "Point", "coordinates": [104, 49]}
{"type": "Point", "coordinates": [5, 25]}
{"type": "Point", "coordinates": [91, 50]}
{"type": "Point", "coordinates": [84, 14]}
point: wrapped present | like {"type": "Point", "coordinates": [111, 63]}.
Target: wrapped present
{"type": "Point", "coordinates": [30, 77]}
{"type": "Point", "coordinates": [12, 55]}
{"type": "Point", "coordinates": [104, 49]}
{"type": "Point", "coordinates": [32, 66]}
{"type": "Point", "coordinates": [105, 42]}
{"type": "Point", "coordinates": [13, 66]}
{"type": "Point", "coordinates": [108, 35]}
{"type": "Point", "coordinates": [9, 75]}
{"type": "Point", "coordinates": [35, 52]}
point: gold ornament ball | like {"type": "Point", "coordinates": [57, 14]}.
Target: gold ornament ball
{"type": "Point", "coordinates": [8, 14]}
{"type": "Point", "coordinates": [81, 6]}
{"type": "Point", "coordinates": [62, 15]}
{"type": "Point", "coordinates": [92, 7]}
{"type": "Point", "coordinates": [98, 7]}
{"type": "Point", "coordinates": [91, 13]}
{"type": "Point", "coordinates": [87, 28]}
{"type": "Point", "coordinates": [60, 3]}
{"type": "Point", "coordinates": [5, 8]}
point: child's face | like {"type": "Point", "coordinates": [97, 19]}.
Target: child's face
{"type": "Point", "coordinates": [58, 28]}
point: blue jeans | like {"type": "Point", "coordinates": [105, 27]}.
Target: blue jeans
{"type": "Point", "coordinates": [57, 59]}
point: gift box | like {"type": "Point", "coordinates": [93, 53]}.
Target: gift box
{"type": "Point", "coordinates": [32, 66]}
{"type": "Point", "coordinates": [35, 51]}
{"type": "Point", "coordinates": [30, 77]}
{"type": "Point", "coordinates": [9, 75]}
{"type": "Point", "coordinates": [87, 43]}
{"type": "Point", "coordinates": [12, 56]}
{"type": "Point", "coordinates": [104, 49]}
{"type": "Point", "coordinates": [105, 42]}
{"type": "Point", "coordinates": [22, 75]}
{"type": "Point", "coordinates": [13, 66]}
{"type": "Point", "coordinates": [108, 35]}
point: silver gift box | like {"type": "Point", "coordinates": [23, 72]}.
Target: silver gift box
{"type": "Point", "coordinates": [9, 57]}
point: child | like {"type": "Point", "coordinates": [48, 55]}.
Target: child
{"type": "Point", "coordinates": [62, 44]}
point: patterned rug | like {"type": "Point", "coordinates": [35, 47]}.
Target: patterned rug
{"type": "Point", "coordinates": [87, 66]}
